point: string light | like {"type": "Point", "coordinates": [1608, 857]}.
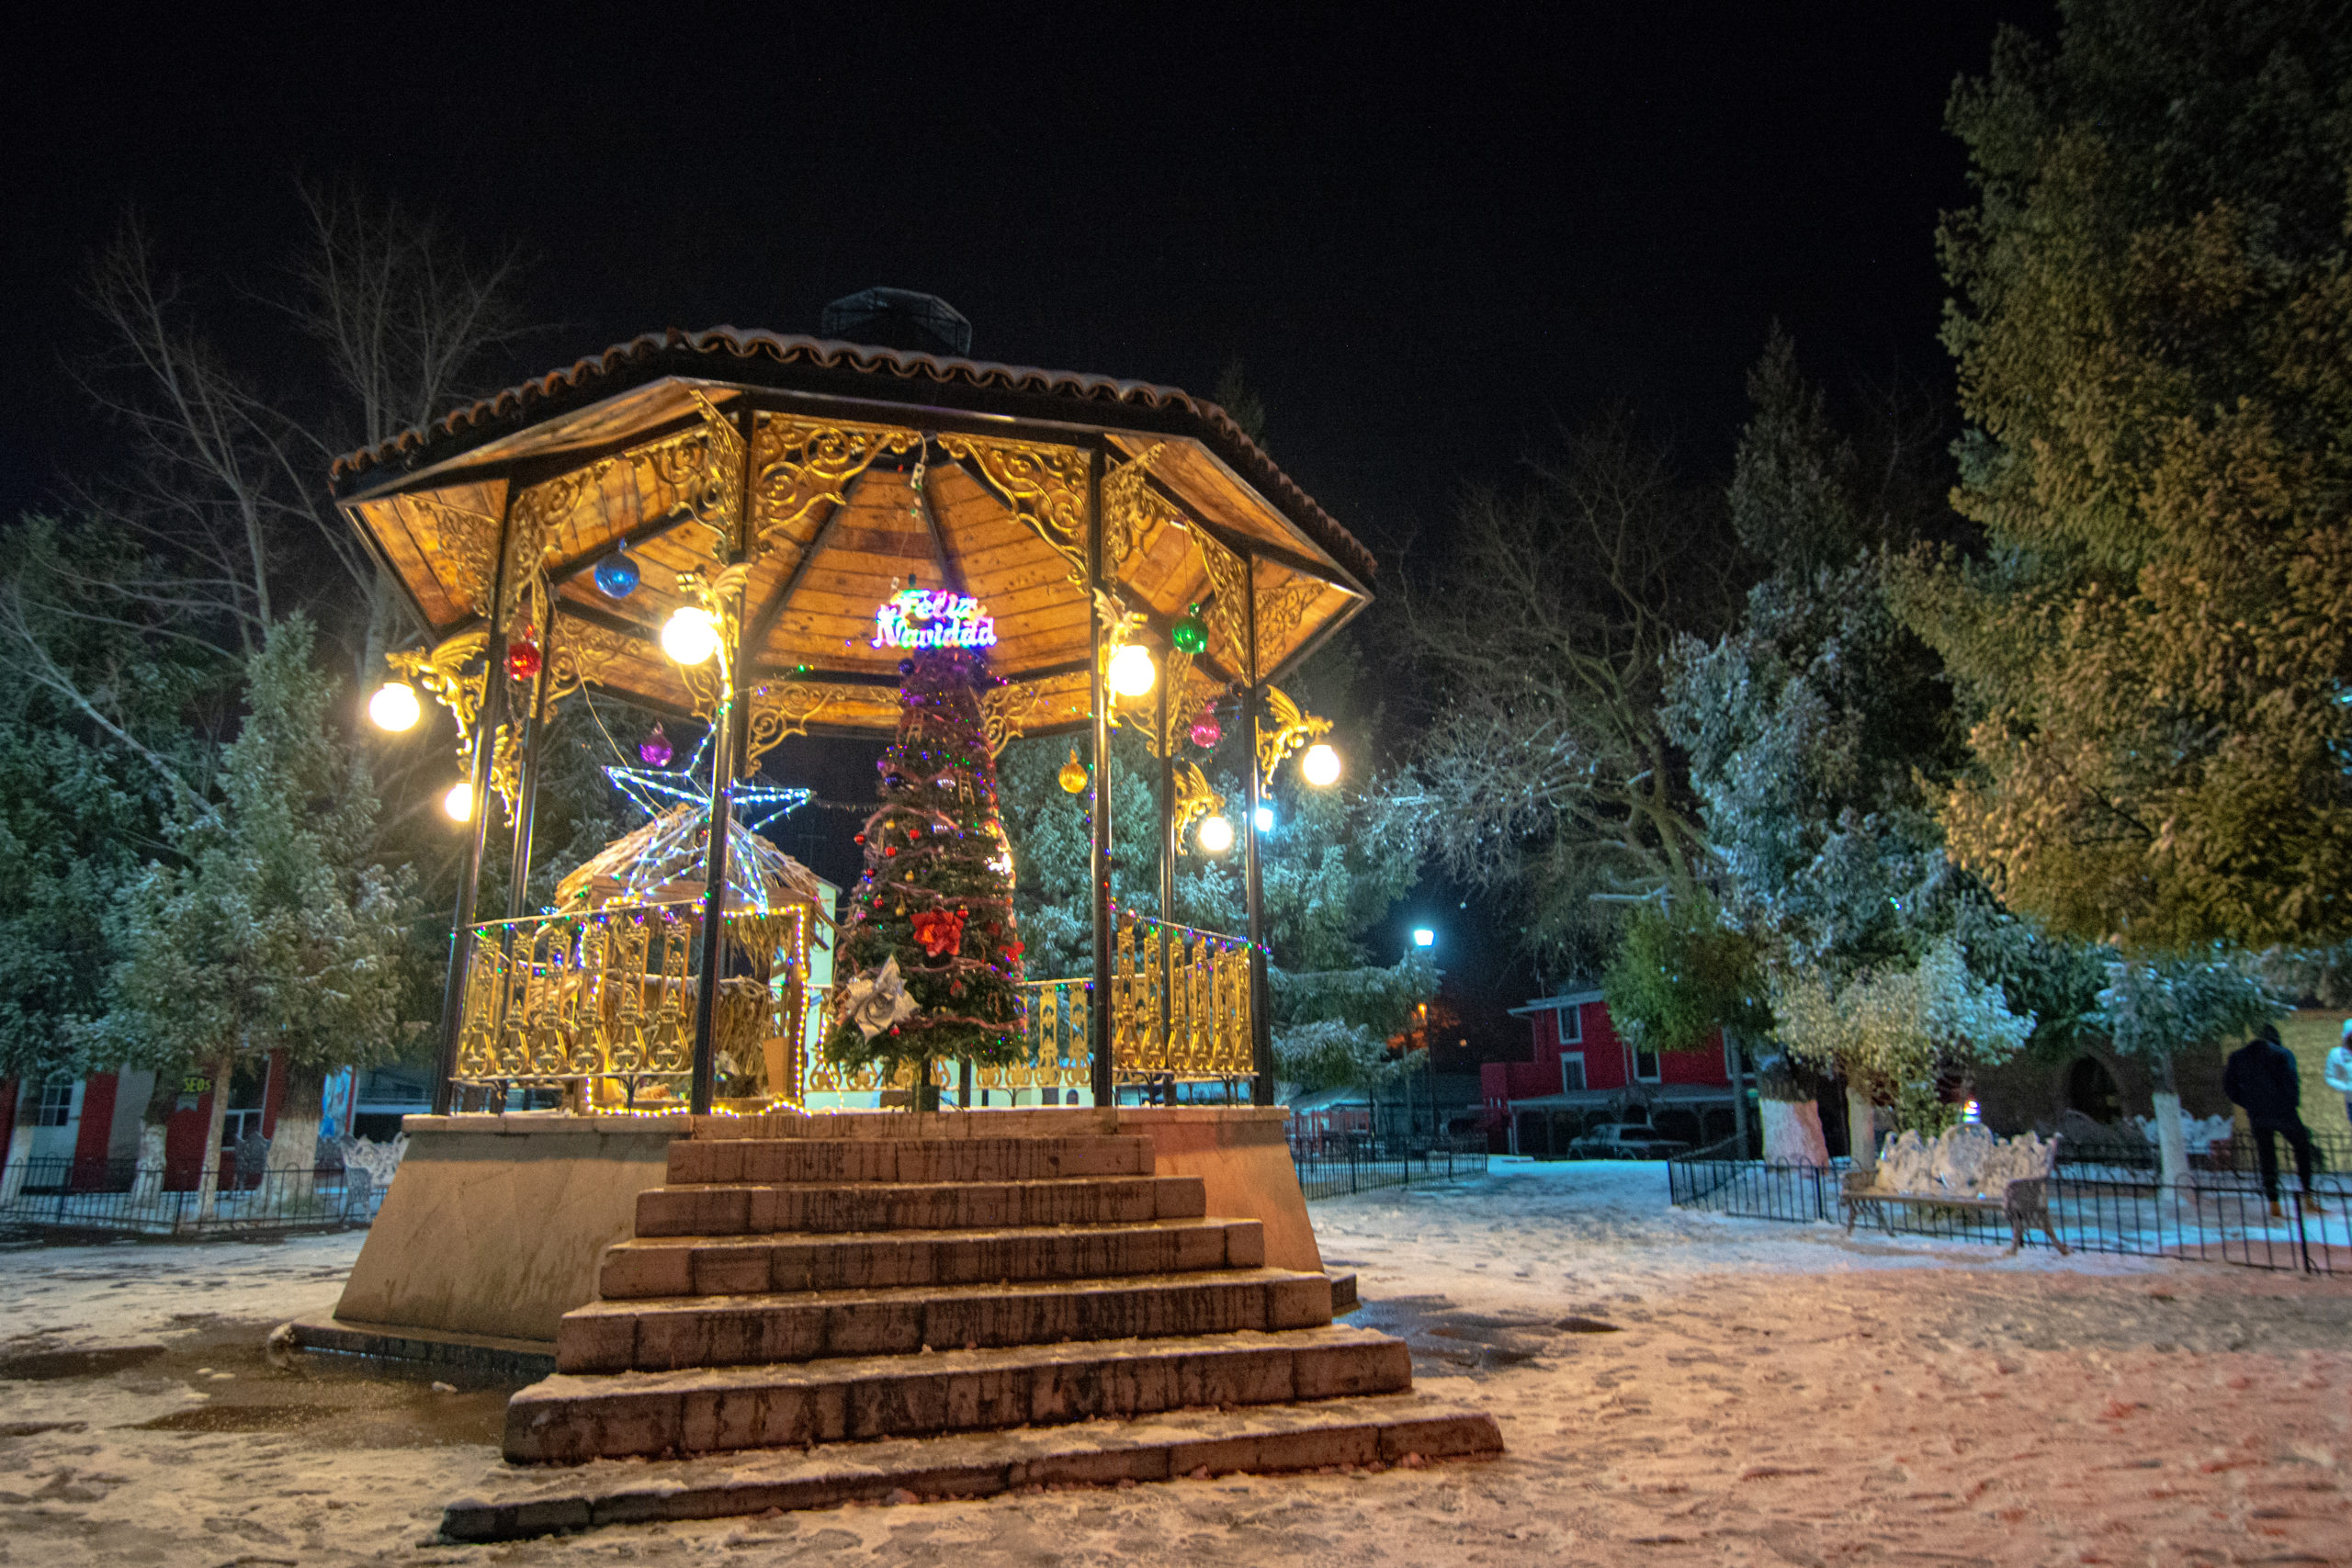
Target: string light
{"type": "Point", "coordinates": [394, 707]}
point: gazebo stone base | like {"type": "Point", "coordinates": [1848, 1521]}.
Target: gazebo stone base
{"type": "Point", "coordinates": [496, 1225]}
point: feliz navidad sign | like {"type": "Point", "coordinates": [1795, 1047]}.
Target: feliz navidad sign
{"type": "Point", "coordinates": [919, 618]}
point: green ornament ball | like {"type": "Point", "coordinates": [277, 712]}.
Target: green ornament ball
{"type": "Point", "coordinates": [1190, 634]}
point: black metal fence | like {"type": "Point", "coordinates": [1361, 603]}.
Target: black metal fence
{"type": "Point", "coordinates": [120, 1197]}
{"type": "Point", "coordinates": [2221, 1216]}
{"type": "Point", "coordinates": [1330, 1166]}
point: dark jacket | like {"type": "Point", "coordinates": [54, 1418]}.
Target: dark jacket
{"type": "Point", "coordinates": [2265, 1079]}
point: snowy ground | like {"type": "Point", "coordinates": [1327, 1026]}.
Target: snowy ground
{"type": "Point", "coordinates": [1772, 1394]}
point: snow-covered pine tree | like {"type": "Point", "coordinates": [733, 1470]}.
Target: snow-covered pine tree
{"type": "Point", "coordinates": [930, 947]}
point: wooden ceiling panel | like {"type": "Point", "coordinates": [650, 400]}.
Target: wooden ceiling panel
{"type": "Point", "coordinates": [841, 560]}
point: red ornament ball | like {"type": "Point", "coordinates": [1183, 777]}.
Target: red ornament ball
{"type": "Point", "coordinates": [523, 660]}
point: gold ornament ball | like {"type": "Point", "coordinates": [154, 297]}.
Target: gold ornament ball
{"type": "Point", "coordinates": [1073, 776]}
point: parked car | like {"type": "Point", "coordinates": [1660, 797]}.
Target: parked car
{"type": "Point", "coordinates": [1625, 1140]}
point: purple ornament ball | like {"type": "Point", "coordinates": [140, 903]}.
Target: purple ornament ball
{"type": "Point", "coordinates": [655, 750]}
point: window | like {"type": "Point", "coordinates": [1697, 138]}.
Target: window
{"type": "Point", "coordinates": [56, 1105]}
{"type": "Point", "coordinates": [1571, 1024]}
{"type": "Point", "coordinates": [1645, 1066]}
{"type": "Point", "coordinates": [1572, 1073]}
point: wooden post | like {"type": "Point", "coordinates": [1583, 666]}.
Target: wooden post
{"type": "Point", "coordinates": [487, 718]}
{"type": "Point", "coordinates": [1098, 860]}
{"type": "Point", "coordinates": [1253, 705]}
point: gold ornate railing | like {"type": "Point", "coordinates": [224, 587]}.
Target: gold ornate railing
{"type": "Point", "coordinates": [1179, 1003]}
{"type": "Point", "coordinates": [602, 1006]}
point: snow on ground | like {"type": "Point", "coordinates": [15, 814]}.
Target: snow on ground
{"type": "Point", "coordinates": [1770, 1395]}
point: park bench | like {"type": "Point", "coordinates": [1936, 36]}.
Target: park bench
{"type": "Point", "coordinates": [2022, 1200]}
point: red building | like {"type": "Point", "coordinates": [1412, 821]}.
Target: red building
{"type": "Point", "coordinates": [82, 1135]}
{"type": "Point", "coordinates": [1578, 1073]}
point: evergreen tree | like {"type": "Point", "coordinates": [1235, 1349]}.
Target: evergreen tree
{"type": "Point", "coordinates": [2153, 330]}
{"type": "Point", "coordinates": [929, 949]}
{"type": "Point", "coordinates": [1816, 731]}
{"type": "Point", "coordinates": [273, 932]}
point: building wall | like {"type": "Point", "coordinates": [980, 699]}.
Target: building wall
{"type": "Point", "coordinates": [1608, 1062]}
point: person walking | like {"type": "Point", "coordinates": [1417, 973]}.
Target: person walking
{"type": "Point", "coordinates": [2339, 1071]}
{"type": "Point", "coordinates": [2262, 1079]}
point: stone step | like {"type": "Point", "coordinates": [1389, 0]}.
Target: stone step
{"type": "Point", "coordinates": [703, 1266]}
{"type": "Point", "coordinates": [700, 1160]}
{"type": "Point", "coordinates": [572, 1416]}
{"type": "Point", "coordinates": [746, 1208]}
{"type": "Point", "coordinates": [666, 1334]}
{"type": "Point", "coordinates": [1374, 1430]}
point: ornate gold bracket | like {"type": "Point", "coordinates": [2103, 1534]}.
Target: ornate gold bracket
{"type": "Point", "coordinates": [1195, 799]}
{"type": "Point", "coordinates": [799, 465]}
{"type": "Point", "coordinates": [1131, 508]}
{"type": "Point", "coordinates": [1046, 485]}
{"type": "Point", "coordinates": [1292, 729]}
{"type": "Point", "coordinates": [1006, 710]}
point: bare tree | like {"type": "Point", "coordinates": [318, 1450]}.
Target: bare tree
{"type": "Point", "coordinates": [406, 317]}
{"type": "Point", "coordinates": [1538, 632]}
{"type": "Point", "coordinates": [221, 483]}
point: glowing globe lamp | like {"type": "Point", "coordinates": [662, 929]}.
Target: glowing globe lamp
{"type": "Point", "coordinates": [460, 802]}
{"type": "Point", "coordinates": [1424, 937]}
{"type": "Point", "coordinates": [617, 575]}
{"type": "Point", "coordinates": [1319, 766]}
{"type": "Point", "coordinates": [691, 635]}
{"type": "Point", "coordinates": [1265, 820]}
{"type": "Point", "coordinates": [523, 660]}
{"type": "Point", "coordinates": [1131, 670]}
{"type": "Point", "coordinates": [394, 707]}
{"type": "Point", "coordinates": [1215, 835]}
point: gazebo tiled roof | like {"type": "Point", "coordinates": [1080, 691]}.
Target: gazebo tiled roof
{"type": "Point", "coordinates": [832, 473]}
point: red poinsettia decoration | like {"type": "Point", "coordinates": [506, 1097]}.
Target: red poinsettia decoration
{"type": "Point", "coordinates": [940, 930]}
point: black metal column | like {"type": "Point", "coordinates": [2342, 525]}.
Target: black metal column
{"type": "Point", "coordinates": [1098, 862]}
{"type": "Point", "coordinates": [1253, 705]}
{"type": "Point", "coordinates": [487, 718]}
{"type": "Point", "coordinates": [526, 788]}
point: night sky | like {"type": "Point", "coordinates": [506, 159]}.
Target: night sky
{"type": "Point", "coordinates": [1429, 243]}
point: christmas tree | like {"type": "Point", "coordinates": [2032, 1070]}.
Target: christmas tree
{"type": "Point", "coordinates": [929, 943]}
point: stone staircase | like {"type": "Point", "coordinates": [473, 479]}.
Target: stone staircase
{"type": "Point", "coordinates": [785, 1293]}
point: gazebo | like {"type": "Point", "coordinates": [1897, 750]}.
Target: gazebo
{"type": "Point", "coordinates": [782, 492]}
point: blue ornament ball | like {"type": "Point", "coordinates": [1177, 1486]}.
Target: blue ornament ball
{"type": "Point", "coordinates": [617, 575]}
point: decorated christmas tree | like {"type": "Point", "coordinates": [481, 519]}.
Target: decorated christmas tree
{"type": "Point", "coordinates": [929, 949]}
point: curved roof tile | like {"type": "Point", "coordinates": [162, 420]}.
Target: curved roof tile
{"type": "Point", "coordinates": [654, 355]}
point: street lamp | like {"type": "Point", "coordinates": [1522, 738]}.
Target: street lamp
{"type": "Point", "coordinates": [394, 707]}
{"type": "Point", "coordinates": [1424, 937]}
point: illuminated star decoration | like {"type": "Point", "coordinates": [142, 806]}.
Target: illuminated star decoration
{"type": "Point", "coordinates": [658, 790]}
{"type": "Point", "coordinates": [672, 842]}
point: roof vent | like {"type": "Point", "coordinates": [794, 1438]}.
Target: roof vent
{"type": "Point", "coordinates": [898, 318]}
